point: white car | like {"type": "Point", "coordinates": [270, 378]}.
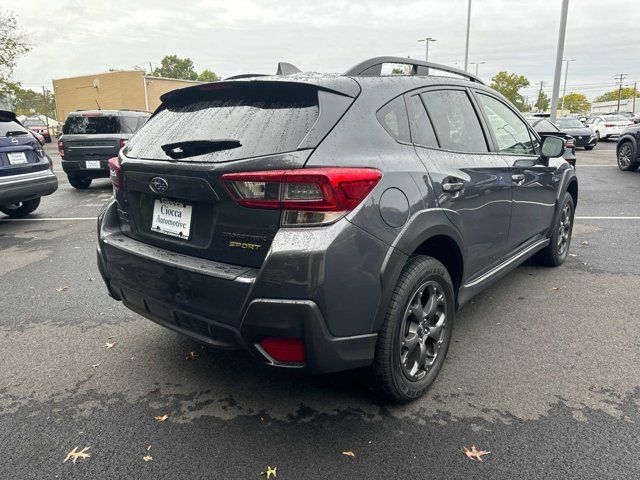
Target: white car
{"type": "Point", "coordinates": [606, 126]}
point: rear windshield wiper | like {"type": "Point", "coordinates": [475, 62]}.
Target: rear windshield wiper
{"type": "Point", "coordinates": [191, 148]}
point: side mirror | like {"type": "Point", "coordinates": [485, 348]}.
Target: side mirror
{"type": "Point", "coordinates": [552, 147]}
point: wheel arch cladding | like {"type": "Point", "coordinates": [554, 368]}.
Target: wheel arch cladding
{"type": "Point", "coordinates": [447, 251]}
{"type": "Point", "coordinates": [572, 188]}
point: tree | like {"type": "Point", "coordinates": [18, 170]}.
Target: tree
{"type": "Point", "coordinates": [576, 103]}
{"type": "Point", "coordinates": [28, 102]}
{"type": "Point", "coordinates": [13, 44]}
{"type": "Point", "coordinates": [509, 84]}
{"type": "Point", "coordinates": [542, 103]}
{"type": "Point", "coordinates": [173, 66]}
{"type": "Point", "coordinates": [208, 76]}
{"type": "Point", "coordinates": [627, 92]}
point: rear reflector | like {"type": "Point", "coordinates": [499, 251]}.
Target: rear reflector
{"type": "Point", "coordinates": [115, 172]}
{"type": "Point", "coordinates": [286, 350]}
{"type": "Point", "coordinates": [309, 196]}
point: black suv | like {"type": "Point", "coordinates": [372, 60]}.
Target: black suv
{"type": "Point", "coordinates": [91, 137]}
{"type": "Point", "coordinates": [26, 172]}
{"type": "Point", "coordinates": [628, 153]}
{"type": "Point", "coordinates": [328, 222]}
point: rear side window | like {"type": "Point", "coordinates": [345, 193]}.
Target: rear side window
{"type": "Point", "coordinates": [421, 129]}
{"type": "Point", "coordinates": [90, 124]}
{"type": "Point", "coordinates": [455, 121]}
{"type": "Point", "coordinates": [128, 124]}
{"type": "Point", "coordinates": [393, 117]}
{"type": "Point", "coordinates": [140, 122]}
{"type": "Point", "coordinates": [263, 119]}
{"type": "Point", "coordinates": [9, 128]}
{"type": "Point", "coordinates": [511, 133]}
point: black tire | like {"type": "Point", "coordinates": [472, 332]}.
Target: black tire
{"type": "Point", "coordinates": [589, 147]}
{"type": "Point", "coordinates": [81, 183]}
{"type": "Point", "coordinates": [556, 252]}
{"type": "Point", "coordinates": [433, 331]}
{"type": "Point", "coordinates": [21, 209]}
{"type": "Point", "coordinates": [627, 157]}
{"type": "Point", "coordinates": [598, 136]}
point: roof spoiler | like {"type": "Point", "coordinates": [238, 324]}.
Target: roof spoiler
{"type": "Point", "coordinates": [373, 68]}
{"type": "Point", "coordinates": [284, 68]}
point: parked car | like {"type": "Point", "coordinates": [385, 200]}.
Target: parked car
{"type": "Point", "coordinates": [545, 128]}
{"type": "Point", "coordinates": [628, 148]}
{"type": "Point", "coordinates": [26, 173]}
{"type": "Point", "coordinates": [38, 137]}
{"type": "Point", "coordinates": [582, 136]}
{"type": "Point", "coordinates": [36, 124]}
{"type": "Point", "coordinates": [607, 126]}
{"type": "Point", "coordinates": [329, 222]}
{"type": "Point", "coordinates": [91, 137]}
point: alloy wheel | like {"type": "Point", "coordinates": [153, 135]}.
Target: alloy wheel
{"type": "Point", "coordinates": [423, 330]}
{"type": "Point", "coordinates": [624, 155]}
{"type": "Point", "coordinates": [564, 230]}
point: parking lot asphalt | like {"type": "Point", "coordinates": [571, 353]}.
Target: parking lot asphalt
{"type": "Point", "coordinates": [542, 370]}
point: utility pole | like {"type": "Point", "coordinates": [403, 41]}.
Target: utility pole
{"type": "Point", "coordinates": [539, 100]}
{"type": "Point", "coordinates": [466, 48]}
{"type": "Point", "coordinates": [427, 41]}
{"type": "Point", "coordinates": [45, 109]}
{"type": "Point", "coordinates": [559, 54]}
{"type": "Point", "coordinates": [564, 89]}
{"type": "Point", "coordinates": [476, 64]}
{"type": "Point", "coordinates": [620, 78]}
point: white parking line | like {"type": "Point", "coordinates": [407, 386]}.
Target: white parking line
{"type": "Point", "coordinates": [607, 218]}
{"type": "Point", "coordinates": [47, 219]}
{"type": "Point", "coordinates": [582, 165]}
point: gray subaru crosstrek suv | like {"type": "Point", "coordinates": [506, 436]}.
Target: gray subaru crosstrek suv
{"type": "Point", "coordinates": [328, 222]}
{"type": "Point", "coordinates": [91, 137]}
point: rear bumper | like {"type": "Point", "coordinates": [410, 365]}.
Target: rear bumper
{"type": "Point", "coordinates": [228, 306]}
{"type": "Point", "coordinates": [78, 167]}
{"type": "Point", "coordinates": [27, 186]}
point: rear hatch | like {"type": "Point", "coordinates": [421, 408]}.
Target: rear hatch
{"type": "Point", "coordinates": [20, 152]}
{"type": "Point", "coordinates": [172, 195]}
{"type": "Point", "coordinates": [91, 136]}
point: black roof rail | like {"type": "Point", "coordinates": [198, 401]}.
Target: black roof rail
{"type": "Point", "coordinates": [373, 67]}
{"type": "Point", "coordinates": [246, 75]}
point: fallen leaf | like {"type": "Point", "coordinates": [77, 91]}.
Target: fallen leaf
{"type": "Point", "coordinates": [191, 356]}
{"type": "Point", "coordinates": [63, 288]}
{"type": "Point", "coordinates": [161, 418]}
{"type": "Point", "coordinates": [474, 453]}
{"type": "Point", "coordinates": [148, 448]}
{"type": "Point", "coordinates": [74, 454]}
{"type": "Point", "coordinates": [349, 454]}
{"type": "Point", "coordinates": [585, 242]}
{"type": "Point", "coordinates": [91, 279]}
{"type": "Point", "coordinates": [109, 345]}
{"type": "Point", "coordinates": [147, 458]}
{"type": "Point", "coordinates": [270, 471]}
{"type": "Point", "coordinates": [95, 365]}
{"type": "Point", "coordinates": [573, 254]}
{"type": "Point", "coordinates": [555, 288]}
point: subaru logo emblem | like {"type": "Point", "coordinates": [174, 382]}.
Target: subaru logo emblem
{"type": "Point", "coordinates": [14, 141]}
{"type": "Point", "coordinates": [158, 185]}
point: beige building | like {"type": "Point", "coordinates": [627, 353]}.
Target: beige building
{"type": "Point", "coordinates": [112, 90]}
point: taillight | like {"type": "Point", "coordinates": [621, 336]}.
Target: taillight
{"type": "Point", "coordinates": [286, 350]}
{"type": "Point", "coordinates": [570, 143]}
{"type": "Point", "coordinates": [115, 172]}
{"type": "Point", "coordinates": [61, 148]}
{"type": "Point", "coordinates": [310, 196]}
{"type": "Point", "coordinates": [123, 142]}
{"type": "Point", "coordinates": [609, 125]}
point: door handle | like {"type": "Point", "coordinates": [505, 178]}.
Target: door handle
{"type": "Point", "coordinates": [452, 187]}
{"type": "Point", "coordinates": [518, 178]}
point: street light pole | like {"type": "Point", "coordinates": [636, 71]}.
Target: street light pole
{"type": "Point", "coordinates": [427, 41]}
{"type": "Point", "coordinates": [476, 64]}
{"type": "Point", "coordinates": [559, 54]}
{"type": "Point", "coordinates": [564, 89]}
{"type": "Point", "coordinates": [466, 48]}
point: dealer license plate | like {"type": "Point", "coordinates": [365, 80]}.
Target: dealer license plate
{"type": "Point", "coordinates": [17, 158]}
{"type": "Point", "coordinates": [92, 164]}
{"type": "Point", "coordinates": [172, 218]}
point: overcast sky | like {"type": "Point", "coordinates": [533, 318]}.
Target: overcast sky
{"type": "Point", "coordinates": [79, 37]}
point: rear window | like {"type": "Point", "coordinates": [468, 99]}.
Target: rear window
{"type": "Point", "coordinates": [9, 128]}
{"type": "Point", "coordinates": [569, 123]}
{"type": "Point", "coordinates": [79, 125]}
{"type": "Point", "coordinates": [263, 119]}
{"type": "Point", "coordinates": [34, 123]}
{"type": "Point", "coordinates": [545, 126]}
{"type": "Point", "coordinates": [615, 118]}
